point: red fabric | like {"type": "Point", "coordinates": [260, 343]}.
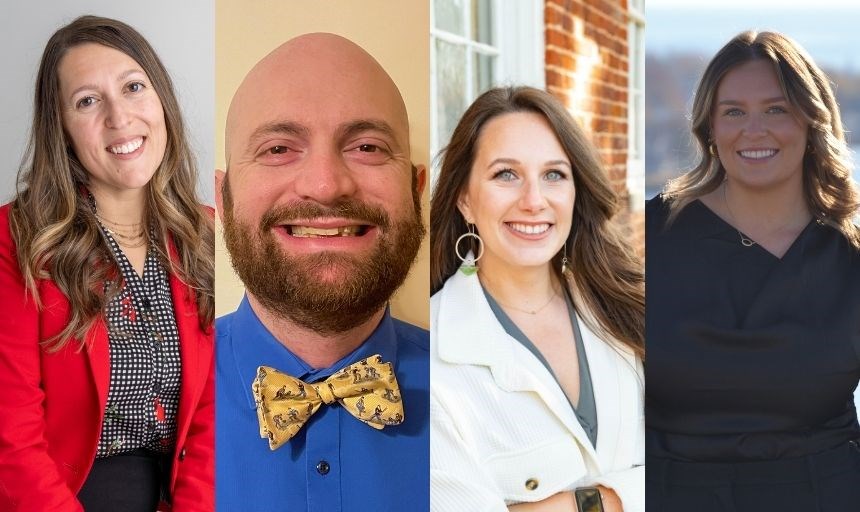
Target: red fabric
{"type": "Point", "coordinates": [51, 404]}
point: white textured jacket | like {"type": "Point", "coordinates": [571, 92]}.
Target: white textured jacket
{"type": "Point", "coordinates": [503, 431]}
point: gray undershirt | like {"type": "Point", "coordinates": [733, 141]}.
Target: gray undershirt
{"type": "Point", "coordinates": [586, 413]}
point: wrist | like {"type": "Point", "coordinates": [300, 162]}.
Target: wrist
{"type": "Point", "coordinates": [588, 499]}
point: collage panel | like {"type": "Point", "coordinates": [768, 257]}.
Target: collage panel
{"type": "Point", "coordinates": [106, 257]}
{"type": "Point", "coordinates": [537, 314]}
{"type": "Point", "coordinates": [753, 308]}
{"type": "Point", "coordinates": [322, 388]}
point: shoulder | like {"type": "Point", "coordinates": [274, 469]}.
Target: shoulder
{"type": "Point", "coordinates": [222, 326]}
{"type": "Point", "coordinates": [411, 337]}
{"type": "Point", "coordinates": [657, 211]}
{"type": "Point", "coordinates": [7, 245]}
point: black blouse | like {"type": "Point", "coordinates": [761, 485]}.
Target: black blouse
{"type": "Point", "coordinates": [750, 357]}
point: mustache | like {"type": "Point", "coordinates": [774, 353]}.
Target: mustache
{"type": "Point", "coordinates": [351, 209]}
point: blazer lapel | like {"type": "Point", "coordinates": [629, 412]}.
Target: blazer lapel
{"type": "Point", "coordinates": [469, 333]}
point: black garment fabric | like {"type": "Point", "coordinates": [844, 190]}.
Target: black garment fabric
{"type": "Point", "coordinates": [750, 357]}
{"type": "Point", "coordinates": [129, 482]}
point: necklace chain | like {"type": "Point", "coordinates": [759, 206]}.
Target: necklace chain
{"type": "Point", "coordinates": [745, 240]}
{"type": "Point", "coordinates": [531, 311]}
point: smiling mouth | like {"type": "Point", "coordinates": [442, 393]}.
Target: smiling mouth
{"type": "Point", "coordinates": [758, 154]}
{"type": "Point", "coordinates": [334, 232]}
{"type": "Point", "coordinates": [529, 229]}
{"type": "Point", "coordinates": [126, 148]}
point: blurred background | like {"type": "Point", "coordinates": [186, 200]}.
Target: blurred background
{"type": "Point", "coordinates": [683, 36]}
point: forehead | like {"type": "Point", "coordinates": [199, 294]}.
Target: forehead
{"type": "Point", "coordinates": [319, 94]}
{"type": "Point", "coordinates": [752, 80]}
{"type": "Point", "coordinates": [516, 133]}
{"type": "Point", "coordinates": [83, 62]}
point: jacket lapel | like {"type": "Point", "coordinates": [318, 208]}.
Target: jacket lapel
{"type": "Point", "coordinates": [469, 333]}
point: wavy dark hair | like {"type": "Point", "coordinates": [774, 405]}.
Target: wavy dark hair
{"type": "Point", "coordinates": [54, 228]}
{"type": "Point", "coordinates": [606, 274]}
{"type": "Point", "coordinates": [828, 188]}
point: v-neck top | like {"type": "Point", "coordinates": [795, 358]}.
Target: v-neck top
{"type": "Point", "coordinates": [750, 356]}
{"type": "Point", "coordinates": [586, 410]}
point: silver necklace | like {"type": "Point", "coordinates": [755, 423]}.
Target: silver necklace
{"type": "Point", "coordinates": [745, 240]}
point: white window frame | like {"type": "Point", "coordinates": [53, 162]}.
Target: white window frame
{"type": "Point", "coordinates": [636, 117]}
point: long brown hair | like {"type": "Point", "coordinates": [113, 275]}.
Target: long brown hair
{"type": "Point", "coordinates": [828, 188]}
{"type": "Point", "coordinates": [53, 226]}
{"type": "Point", "coordinates": [607, 276]}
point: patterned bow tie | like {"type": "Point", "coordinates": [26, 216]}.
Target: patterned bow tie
{"type": "Point", "coordinates": [367, 389]}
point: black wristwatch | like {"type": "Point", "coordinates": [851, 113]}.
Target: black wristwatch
{"type": "Point", "coordinates": [588, 499]}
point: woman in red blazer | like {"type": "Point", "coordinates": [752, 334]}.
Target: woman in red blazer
{"type": "Point", "coordinates": [106, 291]}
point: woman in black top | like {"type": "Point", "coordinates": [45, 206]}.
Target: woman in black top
{"type": "Point", "coordinates": [753, 309]}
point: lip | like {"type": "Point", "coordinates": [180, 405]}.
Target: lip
{"type": "Point", "coordinates": [540, 235]}
{"type": "Point", "coordinates": [757, 155]}
{"type": "Point", "coordinates": [313, 240]}
{"type": "Point", "coordinates": [126, 140]}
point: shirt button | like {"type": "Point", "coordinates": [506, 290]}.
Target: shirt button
{"type": "Point", "coordinates": [182, 454]}
{"type": "Point", "coordinates": [531, 484]}
{"type": "Point", "coordinates": [323, 467]}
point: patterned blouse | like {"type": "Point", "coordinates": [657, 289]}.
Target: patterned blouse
{"type": "Point", "coordinates": [145, 366]}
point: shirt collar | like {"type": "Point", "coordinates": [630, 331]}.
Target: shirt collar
{"type": "Point", "coordinates": [253, 345]}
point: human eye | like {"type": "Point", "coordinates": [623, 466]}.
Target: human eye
{"type": "Point", "coordinates": [368, 152]}
{"type": "Point", "coordinates": [276, 154]}
{"type": "Point", "coordinates": [86, 101]}
{"type": "Point", "coordinates": [777, 109]}
{"type": "Point", "coordinates": [505, 175]}
{"type": "Point", "coordinates": [555, 175]}
{"type": "Point", "coordinates": [733, 112]}
{"type": "Point", "coordinates": [136, 86]}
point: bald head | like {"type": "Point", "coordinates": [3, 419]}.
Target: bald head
{"type": "Point", "coordinates": [314, 82]}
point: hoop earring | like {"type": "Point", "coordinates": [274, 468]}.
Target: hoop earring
{"type": "Point", "coordinates": [469, 265]}
{"type": "Point", "coordinates": [565, 269]}
{"type": "Point", "coordinates": [712, 149]}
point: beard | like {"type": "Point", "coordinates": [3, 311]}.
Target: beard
{"type": "Point", "coordinates": [292, 286]}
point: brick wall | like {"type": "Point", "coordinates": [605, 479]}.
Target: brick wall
{"type": "Point", "coordinates": [586, 67]}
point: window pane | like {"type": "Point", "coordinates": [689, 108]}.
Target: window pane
{"type": "Point", "coordinates": [482, 21]}
{"type": "Point", "coordinates": [450, 87]}
{"type": "Point", "coordinates": [449, 16]}
{"type": "Point", "coordinates": [483, 75]}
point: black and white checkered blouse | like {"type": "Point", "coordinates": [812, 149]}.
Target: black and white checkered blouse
{"type": "Point", "coordinates": [145, 367]}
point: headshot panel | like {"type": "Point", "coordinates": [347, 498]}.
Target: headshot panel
{"type": "Point", "coordinates": [322, 364]}
{"type": "Point", "coordinates": [537, 313]}
{"type": "Point", "coordinates": [753, 261]}
{"type": "Point", "coordinates": [107, 268]}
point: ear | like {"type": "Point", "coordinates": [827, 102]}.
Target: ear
{"type": "Point", "coordinates": [220, 176]}
{"type": "Point", "coordinates": [465, 208]}
{"type": "Point", "coordinates": [420, 179]}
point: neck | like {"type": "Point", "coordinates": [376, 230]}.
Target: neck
{"type": "Point", "coordinates": [125, 207]}
{"type": "Point", "coordinates": [524, 287]}
{"type": "Point", "coordinates": [317, 350]}
{"type": "Point", "coordinates": [774, 208]}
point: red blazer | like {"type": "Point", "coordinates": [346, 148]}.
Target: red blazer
{"type": "Point", "coordinates": [51, 404]}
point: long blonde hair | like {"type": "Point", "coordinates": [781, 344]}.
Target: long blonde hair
{"type": "Point", "coordinates": [53, 226]}
{"type": "Point", "coordinates": [607, 275]}
{"type": "Point", "coordinates": [827, 185]}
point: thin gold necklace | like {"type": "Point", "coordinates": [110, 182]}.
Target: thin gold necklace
{"type": "Point", "coordinates": [530, 311]}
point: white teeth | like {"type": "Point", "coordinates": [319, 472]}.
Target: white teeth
{"type": "Point", "coordinates": [128, 147]}
{"type": "Point", "coordinates": [311, 232]}
{"type": "Point", "coordinates": [529, 229]}
{"type": "Point", "coordinates": [759, 153]}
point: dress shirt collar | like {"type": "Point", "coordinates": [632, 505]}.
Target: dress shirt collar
{"type": "Point", "coordinates": [253, 345]}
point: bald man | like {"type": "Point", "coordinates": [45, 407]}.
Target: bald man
{"type": "Point", "coordinates": [322, 397]}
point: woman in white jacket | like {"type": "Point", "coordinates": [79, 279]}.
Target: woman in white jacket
{"type": "Point", "coordinates": [537, 319]}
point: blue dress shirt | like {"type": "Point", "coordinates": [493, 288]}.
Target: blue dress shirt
{"type": "Point", "coordinates": [335, 462]}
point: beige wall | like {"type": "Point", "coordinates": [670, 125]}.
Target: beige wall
{"type": "Point", "coordinates": [395, 32]}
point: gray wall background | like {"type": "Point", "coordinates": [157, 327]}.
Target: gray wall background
{"type": "Point", "coordinates": [182, 33]}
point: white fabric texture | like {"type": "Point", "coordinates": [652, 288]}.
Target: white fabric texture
{"type": "Point", "coordinates": [499, 418]}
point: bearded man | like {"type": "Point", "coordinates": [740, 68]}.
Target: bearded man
{"type": "Point", "coordinates": [322, 397]}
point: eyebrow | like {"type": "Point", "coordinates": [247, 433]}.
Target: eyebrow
{"type": "Point", "coordinates": [775, 99]}
{"type": "Point", "coordinates": [513, 161]}
{"type": "Point", "coordinates": [278, 128]}
{"type": "Point", "coordinates": [125, 74]}
{"type": "Point", "coordinates": [353, 128]}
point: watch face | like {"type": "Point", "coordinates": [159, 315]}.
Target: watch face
{"type": "Point", "coordinates": [588, 500]}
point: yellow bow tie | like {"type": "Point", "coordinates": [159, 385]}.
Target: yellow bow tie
{"type": "Point", "coordinates": [367, 389]}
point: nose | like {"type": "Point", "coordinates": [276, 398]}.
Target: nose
{"type": "Point", "coordinates": [532, 198]}
{"type": "Point", "coordinates": [325, 179]}
{"type": "Point", "coordinates": [755, 126]}
{"type": "Point", "coordinates": [117, 113]}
